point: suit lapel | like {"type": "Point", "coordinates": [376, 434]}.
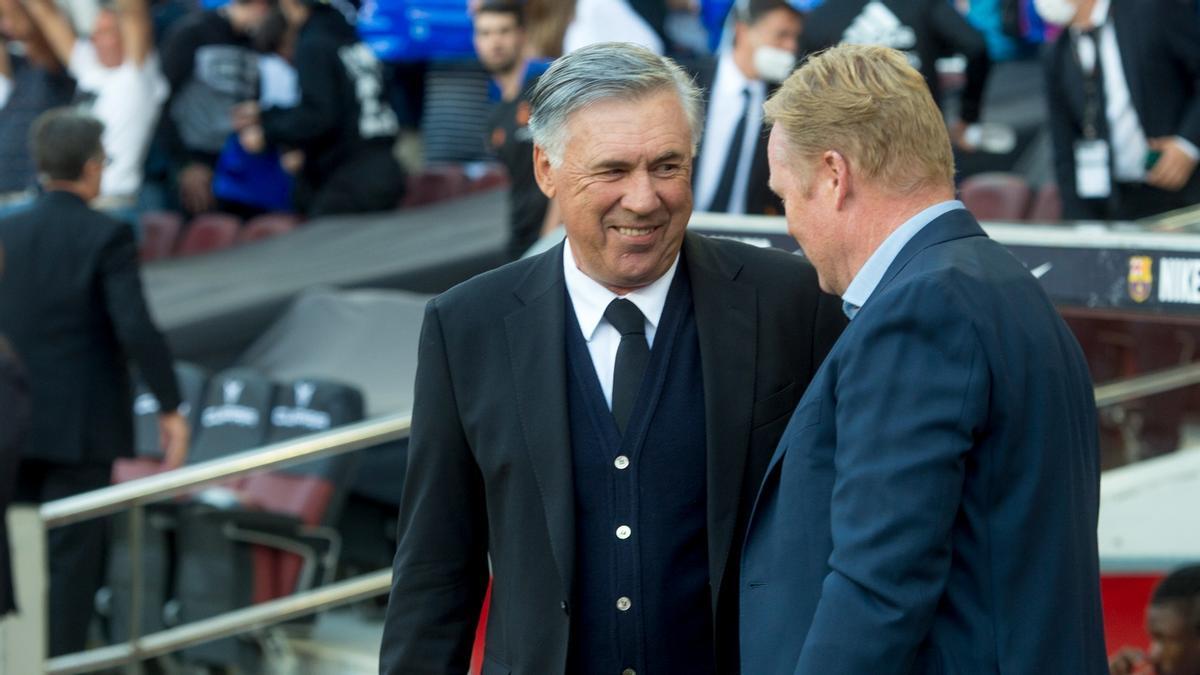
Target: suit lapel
{"type": "Point", "coordinates": [537, 347]}
{"type": "Point", "coordinates": [727, 321]}
{"type": "Point", "coordinates": [1127, 44]}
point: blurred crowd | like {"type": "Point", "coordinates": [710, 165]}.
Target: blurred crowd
{"type": "Point", "coordinates": [258, 106]}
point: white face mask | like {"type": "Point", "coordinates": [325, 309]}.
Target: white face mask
{"type": "Point", "coordinates": [773, 64]}
{"type": "Point", "coordinates": [1057, 12]}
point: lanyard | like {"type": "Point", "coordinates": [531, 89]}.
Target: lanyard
{"type": "Point", "coordinates": [1092, 100]}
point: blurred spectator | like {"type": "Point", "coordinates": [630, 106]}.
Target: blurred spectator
{"type": "Point", "coordinates": [500, 44]}
{"type": "Point", "coordinates": [209, 59]}
{"type": "Point", "coordinates": [925, 30]}
{"type": "Point", "coordinates": [14, 425]}
{"type": "Point", "coordinates": [71, 302]}
{"type": "Point", "coordinates": [731, 170]}
{"type": "Point", "coordinates": [610, 21]}
{"type": "Point", "coordinates": [120, 83]}
{"type": "Point", "coordinates": [31, 82]}
{"type": "Point", "coordinates": [249, 184]}
{"type": "Point", "coordinates": [343, 122]}
{"type": "Point", "coordinates": [1173, 623]}
{"type": "Point", "coordinates": [1123, 89]}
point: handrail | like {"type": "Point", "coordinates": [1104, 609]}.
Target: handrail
{"type": "Point", "coordinates": [119, 497]}
{"type": "Point", "coordinates": [229, 624]}
{"type": "Point", "coordinates": [1140, 386]}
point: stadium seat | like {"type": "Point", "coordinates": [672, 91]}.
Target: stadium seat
{"type": "Point", "coordinates": [435, 184]}
{"type": "Point", "coordinates": [209, 232]}
{"type": "Point", "coordinates": [1047, 205]}
{"type": "Point", "coordinates": [275, 538]}
{"type": "Point", "coordinates": [160, 231]}
{"type": "Point", "coordinates": [490, 180]}
{"type": "Point", "coordinates": [268, 225]}
{"type": "Point", "coordinates": [113, 599]}
{"type": "Point", "coordinates": [996, 196]}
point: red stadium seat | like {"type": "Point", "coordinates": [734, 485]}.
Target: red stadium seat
{"type": "Point", "coordinates": [435, 184]}
{"type": "Point", "coordinates": [267, 226]}
{"type": "Point", "coordinates": [997, 196]}
{"type": "Point", "coordinates": [1047, 205]}
{"type": "Point", "coordinates": [160, 230]}
{"type": "Point", "coordinates": [492, 179]}
{"type": "Point", "coordinates": [209, 232]}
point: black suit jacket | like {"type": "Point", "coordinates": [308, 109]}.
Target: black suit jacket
{"type": "Point", "coordinates": [14, 423]}
{"type": "Point", "coordinates": [760, 201]}
{"type": "Point", "coordinates": [1159, 41]}
{"type": "Point", "coordinates": [71, 303]}
{"type": "Point", "coordinates": [490, 472]}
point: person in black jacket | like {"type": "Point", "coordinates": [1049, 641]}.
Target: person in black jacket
{"type": "Point", "coordinates": [925, 30]}
{"type": "Point", "coordinates": [71, 302]}
{"type": "Point", "coordinates": [343, 124]}
{"type": "Point", "coordinates": [14, 425]}
{"type": "Point", "coordinates": [1139, 101]}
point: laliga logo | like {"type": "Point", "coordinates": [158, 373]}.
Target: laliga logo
{"type": "Point", "coordinates": [233, 391]}
{"type": "Point", "coordinates": [304, 393]}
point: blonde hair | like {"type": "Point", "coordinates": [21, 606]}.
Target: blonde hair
{"type": "Point", "coordinates": [870, 105]}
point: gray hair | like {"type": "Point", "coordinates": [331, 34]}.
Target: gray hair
{"type": "Point", "coordinates": [600, 72]}
{"type": "Point", "coordinates": [63, 140]}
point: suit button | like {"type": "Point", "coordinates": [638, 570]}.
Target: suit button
{"type": "Point", "coordinates": [623, 532]}
{"type": "Point", "coordinates": [629, 671]}
{"type": "Point", "coordinates": [565, 608]}
{"type": "Point", "coordinates": [624, 603]}
{"type": "Point", "coordinates": [621, 462]}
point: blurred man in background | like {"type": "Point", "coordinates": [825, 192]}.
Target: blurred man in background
{"type": "Point", "coordinates": [731, 168]}
{"type": "Point", "coordinates": [121, 84]}
{"type": "Point", "coordinates": [343, 123]}
{"type": "Point", "coordinates": [500, 45]}
{"type": "Point", "coordinates": [31, 82]}
{"type": "Point", "coordinates": [1173, 624]}
{"type": "Point", "coordinates": [210, 63]}
{"type": "Point", "coordinates": [71, 301]}
{"type": "Point", "coordinates": [1123, 91]}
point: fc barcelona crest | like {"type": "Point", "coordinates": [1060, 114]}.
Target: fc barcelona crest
{"type": "Point", "coordinates": [1141, 277]}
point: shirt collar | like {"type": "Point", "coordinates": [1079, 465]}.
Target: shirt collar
{"type": "Point", "coordinates": [1100, 13]}
{"type": "Point", "coordinates": [590, 298]}
{"type": "Point", "coordinates": [868, 278]}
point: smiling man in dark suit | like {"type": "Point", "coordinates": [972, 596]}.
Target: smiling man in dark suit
{"type": "Point", "coordinates": [71, 302]}
{"type": "Point", "coordinates": [933, 502]}
{"type": "Point", "coordinates": [597, 418]}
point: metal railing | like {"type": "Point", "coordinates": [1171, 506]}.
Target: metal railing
{"type": "Point", "coordinates": [136, 494]}
{"type": "Point", "coordinates": [1141, 386]}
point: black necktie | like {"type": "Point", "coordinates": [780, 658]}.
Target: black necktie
{"type": "Point", "coordinates": [632, 355]}
{"type": "Point", "coordinates": [733, 157]}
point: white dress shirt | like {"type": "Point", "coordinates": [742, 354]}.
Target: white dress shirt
{"type": "Point", "coordinates": [1128, 139]}
{"type": "Point", "coordinates": [590, 299]}
{"type": "Point", "coordinates": [725, 105]}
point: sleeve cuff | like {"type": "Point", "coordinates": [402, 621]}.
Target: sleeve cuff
{"type": "Point", "coordinates": [1188, 147]}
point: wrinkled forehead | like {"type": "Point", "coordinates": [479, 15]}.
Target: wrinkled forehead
{"type": "Point", "coordinates": [646, 126]}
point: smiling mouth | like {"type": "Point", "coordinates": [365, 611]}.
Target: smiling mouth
{"type": "Point", "coordinates": [635, 231]}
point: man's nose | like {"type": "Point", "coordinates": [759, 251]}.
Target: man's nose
{"type": "Point", "coordinates": [640, 193]}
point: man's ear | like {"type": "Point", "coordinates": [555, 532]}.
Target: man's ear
{"type": "Point", "coordinates": [542, 171]}
{"type": "Point", "coordinates": [836, 171]}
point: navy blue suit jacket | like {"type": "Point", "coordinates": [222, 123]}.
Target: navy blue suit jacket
{"type": "Point", "coordinates": [932, 505]}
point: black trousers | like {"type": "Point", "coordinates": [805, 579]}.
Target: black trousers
{"type": "Point", "coordinates": [372, 180]}
{"type": "Point", "coordinates": [77, 553]}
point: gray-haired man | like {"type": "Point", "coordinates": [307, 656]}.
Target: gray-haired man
{"type": "Point", "coordinates": [596, 419]}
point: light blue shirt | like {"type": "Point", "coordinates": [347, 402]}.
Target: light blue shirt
{"type": "Point", "coordinates": [864, 283]}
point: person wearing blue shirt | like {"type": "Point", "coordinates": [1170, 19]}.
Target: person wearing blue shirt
{"type": "Point", "coordinates": [932, 505]}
